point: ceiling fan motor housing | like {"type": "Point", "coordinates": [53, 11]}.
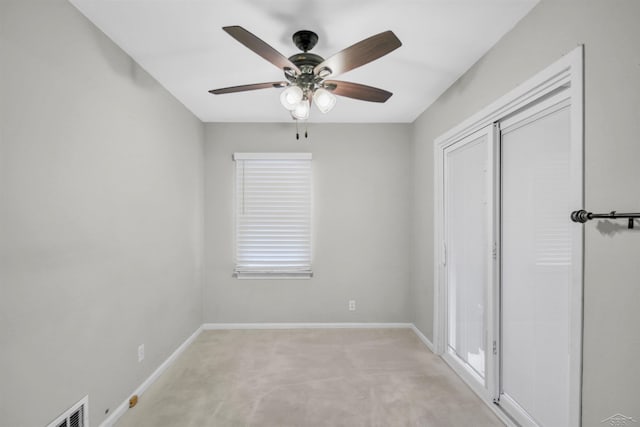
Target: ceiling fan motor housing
{"type": "Point", "coordinates": [306, 62]}
{"type": "Point", "coordinates": [305, 40]}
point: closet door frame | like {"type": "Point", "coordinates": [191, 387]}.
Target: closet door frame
{"type": "Point", "coordinates": [566, 74]}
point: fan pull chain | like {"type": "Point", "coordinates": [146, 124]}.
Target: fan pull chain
{"type": "Point", "coordinates": [306, 131]}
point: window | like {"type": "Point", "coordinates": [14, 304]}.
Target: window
{"type": "Point", "coordinates": [273, 215]}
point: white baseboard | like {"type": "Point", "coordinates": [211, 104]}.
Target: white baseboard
{"type": "Point", "coordinates": [222, 326]}
{"type": "Point", "coordinates": [122, 408]}
{"type": "Point", "coordinates": [423, 338]}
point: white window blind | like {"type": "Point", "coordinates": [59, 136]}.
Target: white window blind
{"type": "Point", "coordinates": [273, 215]}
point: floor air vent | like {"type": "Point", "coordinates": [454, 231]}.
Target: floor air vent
{"type": "Point", "coordinates": [76, 416]}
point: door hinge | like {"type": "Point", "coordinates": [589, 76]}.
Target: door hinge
{"type": "Point", "coordinates": [495, 348]}
{"type": "Point", "coordinates": [494, 251]}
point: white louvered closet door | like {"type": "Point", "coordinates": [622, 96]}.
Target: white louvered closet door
{"type": "Point", "coordinates": [536, 265]}
{"type": "Point", "coordinates": [273, 214]}
{"type": "Point", "coordinates": [468, 261]}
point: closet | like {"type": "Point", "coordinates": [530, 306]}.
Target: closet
{"type": "Point", "coordinates": [509, 259]}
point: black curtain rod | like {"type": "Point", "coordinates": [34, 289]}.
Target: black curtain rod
{"type": "Point", "coordinates": [583, 216]}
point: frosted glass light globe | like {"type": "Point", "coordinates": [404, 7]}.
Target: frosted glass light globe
{"type": "Point", "coordinates": [324, 100]}
{"type": "Point", "coordinates": [301, 111]}
{"type": "Point", "coordinates": [291, 97]}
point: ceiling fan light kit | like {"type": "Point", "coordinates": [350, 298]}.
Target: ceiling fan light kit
{"type": "Point", "coordinates": [306, 72]}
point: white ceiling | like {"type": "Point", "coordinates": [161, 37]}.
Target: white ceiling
{"type": "Point", "coordinates": [181, 43]}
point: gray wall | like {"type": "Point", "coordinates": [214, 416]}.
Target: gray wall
{"type": "Point", "coordinates": [362, 189]}
{"type": "Point", "coordinates": [611, 35]}
{"type": "Point", "coordinates": [100, 217]}
{"type": "Point", "coordinates": [101, 208]}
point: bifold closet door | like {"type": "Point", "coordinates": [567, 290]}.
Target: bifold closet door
{"type": "Point", "coordinates": [536, 265]}
{"type": "Point", "coordinates": [467, 216]}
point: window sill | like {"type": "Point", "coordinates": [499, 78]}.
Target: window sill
{"type": "Point", "coordinates": [262, 275]}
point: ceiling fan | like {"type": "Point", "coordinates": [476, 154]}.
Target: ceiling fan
{"type": "Point", "coordinates": [307, 73]}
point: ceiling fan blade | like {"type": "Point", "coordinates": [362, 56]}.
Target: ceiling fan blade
{"type": "Point", "coordinates": [260, 47]}
{"type": "Point", "coordinates": [244, 88]}
{"type": "Point", "coordinates": [360, 53]}
{"type": "Point", "coordinates": [357, 91]}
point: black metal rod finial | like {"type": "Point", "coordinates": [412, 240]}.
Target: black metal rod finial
{"type": "Point", "coordinates": [581, 216]}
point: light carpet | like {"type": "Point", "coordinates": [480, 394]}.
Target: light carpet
{"type": "Point", "coordinates": [309, 377]}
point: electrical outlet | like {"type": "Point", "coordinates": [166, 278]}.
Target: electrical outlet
{"type": "Point", "coordinates": [352, 305]}
{"type": "Point", "coordinates": [140, 353]}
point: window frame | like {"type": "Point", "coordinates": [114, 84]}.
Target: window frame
{"type": "Point", "coordinates": [241, 272]}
